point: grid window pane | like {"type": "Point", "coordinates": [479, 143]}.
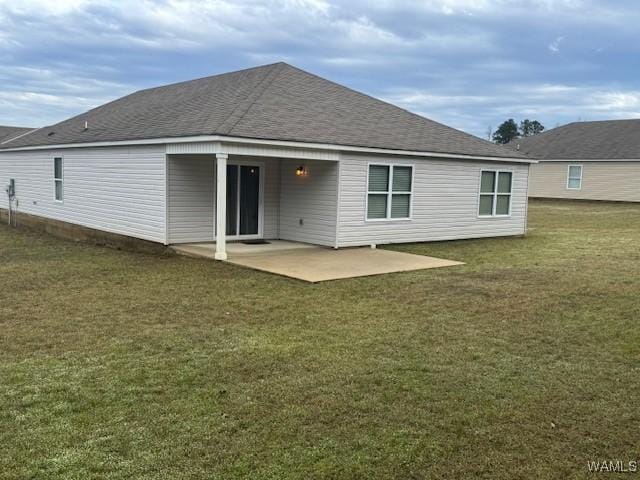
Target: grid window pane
{"type": "Point", "coordinates": [487, 184]}
{"type": "Point", "coordinates": [377, 206]}
{"type": "Point", "coordinates": [486, 205]}
{"type": "Point", "coordinates": [502, 204]}
{"type": "Point", "coordinates": [504, 182]}
{"type": "Point", "coordinates": [58, 190]}
{"type": "Point", "coordinates": [378, 178]}
{"type": "Point", "coordinates": [575, 171]}
{"type": "Point", "coordinates": [400, 206]}
{"type": "Point", "coordinates": [574, 183]}
{"type": "Point", "coordinates": [401, 179]}
{"type": "Point", "coordinates": [57, 168]}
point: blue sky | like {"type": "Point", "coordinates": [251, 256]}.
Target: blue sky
{"type": "Point", "coordinates": [467, 63]}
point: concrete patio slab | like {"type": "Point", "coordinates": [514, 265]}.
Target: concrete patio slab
{"type": "Point", "coordinates": [208, 250]}
{"type": "Point", "coordinates": [318, 264]}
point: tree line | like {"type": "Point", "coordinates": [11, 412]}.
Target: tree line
{"type": "Point", "coordinates": [509, 130]}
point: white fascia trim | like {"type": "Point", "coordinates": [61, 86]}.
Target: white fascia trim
{"type": "Point", "coordinates": [277, 143]}
{"type": "Point", "coordinates": [580, 160]}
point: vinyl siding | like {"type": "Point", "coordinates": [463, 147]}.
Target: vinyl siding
{"type": "Point", "coordinates": [619, 181]}
{"type": "Point", "coordinates": [445, 202]}
{"type": "Point", "coordinates": [115, 189]}
{"type": "Point", "coordinates": [312, 199]}
{"type": "Point", "coordinates": [191, 198]}
{"type": "Point", "coordinates": [192, 193]}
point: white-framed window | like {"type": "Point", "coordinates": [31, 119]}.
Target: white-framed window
{"type": "Point", "coordinates": [574, 177]}
{"type": "Point", "coordinates": [495, 193]}
{"type": "Point", "coordinates": [58, 179]}
{"type": "Point", "coordinates": [389, 192]}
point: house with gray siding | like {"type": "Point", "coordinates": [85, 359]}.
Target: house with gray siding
{"type": "Point", "coordinates": [271, 152]}
{"type": "Point", "coordinates": [586, 161]}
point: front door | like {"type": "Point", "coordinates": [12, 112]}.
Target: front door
{"type": "Point", "coordinates": [243, 201]}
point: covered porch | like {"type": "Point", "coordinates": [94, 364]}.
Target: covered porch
{"type": "Point", "coordinates": [231, 199]}
{"type": "Point", "coordinates": [269, 209]}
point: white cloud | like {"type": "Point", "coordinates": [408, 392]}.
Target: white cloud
{"type": "Point", "coordinates": [44, 7]}
{"type": "Point", "coordinates": [425, 101]}
{"type": "Point", "coordinates": [465, 62]}
{"type": "Point", "coordinates": [34, 96]}
{"type": "Point", "coordinates": [184, 25]}
{"type": "Point", "coordinates": [549, 103]}
{"type": "Point", "coordinates": [351, 62]}
{"type": "Point", "coordinates": [616, 101]}
{"type": "Point", "coordinates": [554, 46]}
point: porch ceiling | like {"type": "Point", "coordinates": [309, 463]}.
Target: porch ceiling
{"type": "Point", "coordinates": [253, 150]}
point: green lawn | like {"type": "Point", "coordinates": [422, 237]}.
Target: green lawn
{"type": "Point", "coordinates": [524, 363]}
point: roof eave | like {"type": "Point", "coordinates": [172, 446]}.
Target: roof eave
{"type": "Point", "coordinates": [574, 160]}
{"type": "Point", "coordinates": [280, 143]}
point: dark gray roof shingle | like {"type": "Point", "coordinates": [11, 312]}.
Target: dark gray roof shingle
{"type": "Point", "coordinates": [272, 102]}
{"type": "Point", "coordinates": [7, 133]}
{"type": "Point", "coordinates": [601, 140]}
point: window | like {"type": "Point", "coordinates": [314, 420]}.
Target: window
{"type": "Point", "coordinates": [57, 178]}
{"type": "Point", "coordinates": [495, 193]}
{"type": "Point", "coordinates": [574, 177]}
{"type": "Point", "coordinates": [389, 192]}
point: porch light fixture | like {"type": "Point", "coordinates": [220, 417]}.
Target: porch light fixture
{"type": "Point", "coordinates": [302, 171]}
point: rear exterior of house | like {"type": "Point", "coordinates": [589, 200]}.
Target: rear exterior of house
{"type": "Point", "coordinates": [331, 205]}
{"type": "Point", "coordinates": [586, 161]}
{"type": "Point", "coordinates": [262, 172]}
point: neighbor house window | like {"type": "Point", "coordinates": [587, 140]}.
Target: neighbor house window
{"type": "Point", "coordinates": [57, 178]}
{"type": "Point", "coordinates": [574, 177]}
{"type": "Point", "coordinates": [495, 193]}
{"type": "Point", "coordinates": [389, 192]}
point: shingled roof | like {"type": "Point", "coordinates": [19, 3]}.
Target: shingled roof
{"type": "Point", "coordinates": [7, 133]}
{"type": "Point", "coordinates": [602, 140]}
{"type": "Point", "coordinates": [271, 102]}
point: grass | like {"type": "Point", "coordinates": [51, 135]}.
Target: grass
{"type": "Point", "coordinates": [524, 363]}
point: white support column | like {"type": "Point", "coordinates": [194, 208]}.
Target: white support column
{"type": "Point", "coordinates": [221, 206]}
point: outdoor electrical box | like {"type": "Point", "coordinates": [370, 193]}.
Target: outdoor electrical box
{"type": "Point", "coordinates": [11, 189]}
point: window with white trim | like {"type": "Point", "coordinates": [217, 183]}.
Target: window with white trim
{"type": "Point", "coordinates": [58, 178]}
{"type": "Point", "coordinates": [389, 192]}
{"type": "Point", "coordinates": [495, 193]}
{"type": "Point", "coordinates": [574, 177]}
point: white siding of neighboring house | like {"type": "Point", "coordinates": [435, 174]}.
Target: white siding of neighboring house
{"type": "Point", "coordinates": [445, 202]}
{"type": "Point", "coordinates": [116, 189]}
{"type": "Point", "coordinates": [618, 181]}
{"type": "Point", "coordinates": [192, 196]}
{"type": "Point", "coordinates": [308, 204]}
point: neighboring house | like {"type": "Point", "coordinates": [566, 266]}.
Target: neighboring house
{"type": "Point", "coordinates": [270, 152]}
{"type": "Point", "coordinates": [10, 133]}
{"type": "Point", "coordinates": [586, 160]}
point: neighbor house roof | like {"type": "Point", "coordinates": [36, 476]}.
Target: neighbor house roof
{"type": "Point", "coordinates": [272, 102]}
{"type": "Point", "coordinates": [602, 140]}
{"type": "Point", "coordinates": [7, 133]}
